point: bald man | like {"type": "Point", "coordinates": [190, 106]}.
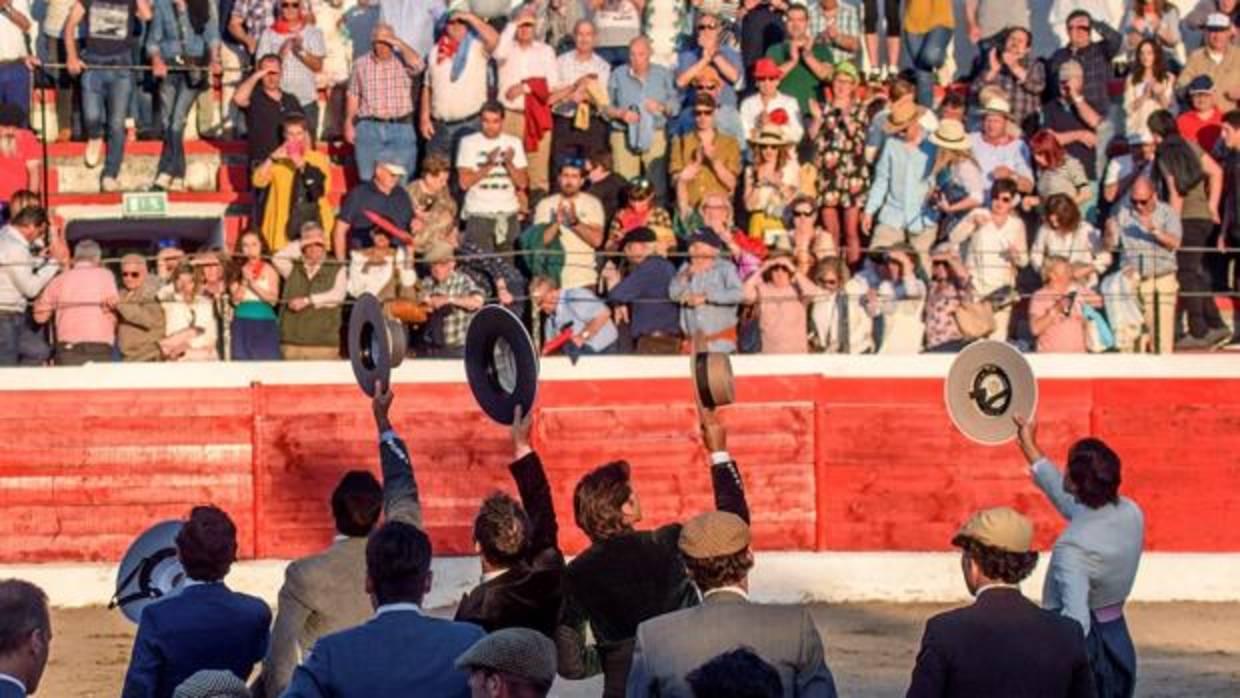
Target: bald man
{"type": "Point", "coordinates": [643, 98]}
{"type": "Point", "coordinates": [1147, 232]}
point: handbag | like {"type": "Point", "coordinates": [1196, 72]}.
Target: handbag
{"type": "Point", "coordinates": [975, 319]}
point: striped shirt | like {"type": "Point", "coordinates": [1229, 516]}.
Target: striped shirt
{"type": "Point", "coordinates": [296, 78]}
{"type": "Point", "coordinates": [384, 89]}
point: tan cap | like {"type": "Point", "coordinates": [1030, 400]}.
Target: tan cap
{"type": "Point", "coordinates": [1002, 527]}
{"type": "Point", "coordinates": [520, 652]}
{"type": "Point", "coordinates": [439, 251]}
{"type": "Point", "coordinates": [714, 534]}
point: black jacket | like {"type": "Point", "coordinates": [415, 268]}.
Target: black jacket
{"type": "Point", "coordinates": [616, 584]}
{"type": "Point", "coordinates": [527, 595]}
{"type": "Point", "coordinates": [1002, 645]}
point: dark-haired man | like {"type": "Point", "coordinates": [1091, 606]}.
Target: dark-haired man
{"type": "Point", "coordinates": [25, 637]}
{"type": "Point", "coordinates": [715, 547]}
{"type": "Point", "coordinates": [628, 576]}
{"type": "Point", "coordinates": [400, 651]}
{"type": "Point", "coordinates": [736, 674]}
{"type": "Point", "coordinates": [521, 560]}
{"type": "Point", "coordinates": [206, 625]}
{"type": "Point", "coordinates": [1003, 644]}
{"type": "Point", "coordinates": [23, 275]}
{"type": "Point", "coordinates": [1095, 559]}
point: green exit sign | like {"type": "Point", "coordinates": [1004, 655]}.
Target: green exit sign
{"type": "Point", "coordinates": [144, 204]}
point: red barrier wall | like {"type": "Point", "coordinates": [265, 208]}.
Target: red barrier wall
{"type": "Point", "coordinates": [829, 463]}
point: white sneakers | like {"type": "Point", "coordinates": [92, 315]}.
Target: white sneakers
{"type": "Point", "coordinates": [94, 149]}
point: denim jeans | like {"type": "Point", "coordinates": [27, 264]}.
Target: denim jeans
{"type": "Point", "coordinates": [448, 136]}
{"type": "Point", "coordinates": [15, 85]}
{"type": "Point", "coordinates": [145, 87]}
{"type": "Point", "coordinates": [20, 343]}
{"type": "Point", "coordinates": [927, 53]}
{"type": "Point", "coordinates": [176, 98]}
{"type": "Point", "coordinates": [105, 104]}
{"type": "Point", "coordinates": [377, 137]}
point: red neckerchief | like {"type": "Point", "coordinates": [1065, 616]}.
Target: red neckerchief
{"type": "Point", "coordinates": [446, 48]}
{"type": "Point", "coordinates": [255, 269]}
{"type": "Point", "coordinates": [282, 26]}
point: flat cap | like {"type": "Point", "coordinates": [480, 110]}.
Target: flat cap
{"type": "Point", "coordinates": [212, 683]}
{"type": "Point", "coordinates": [1001, 527]}
{"type": "Point", "coordinates": [714, 534]}
{"type": "Point", "coordinates": [520, 652]}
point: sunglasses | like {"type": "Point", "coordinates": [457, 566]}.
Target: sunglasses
{"type": "Point", "coordinates": [708, 87]}
{"type": "Point", "coordinates": [830, 282]}
{"type": "Point", "coordinates": [707, 27]}
{"type": "Point", "coordinates": [293, 5]}
{"type": "Point", "coordinates": [131, 274]}
{"type": "Point", "coordinates": [1005, 198]}
{"type": "Point", "coordinates": [1142, 202]}
{"type": "Point", "coordinates": [803, 213]}
{"type": "Point", "coordinates": [703, 112]}
{"type": "Point", "coordinates": [768, 79]}
{"type": "Point", "coordinates": [1078, 27]}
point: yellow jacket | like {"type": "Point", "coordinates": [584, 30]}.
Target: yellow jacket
{"type": "Point", "coordinates": [278, 180]}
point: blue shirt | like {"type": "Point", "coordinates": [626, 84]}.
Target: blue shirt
{"type": "Point", "coordinates": [626, 90]}
{"type": "Point", "coordinates": [578, 307]}
{"type": "Point", "coordinates": [1139, 249]}
{"type": "Point", "coordinates": [689, 57]}
{"type": "Point", "coordinates": [164, 38]}
{"type": "Point", "coordinates": [646, 288]}
{"type": "Point", "coordinates": [413, 21]}
{"type": "Point", "coordinates": [721, 284]}
{"type": "Point", "coordinates": [901, 189]}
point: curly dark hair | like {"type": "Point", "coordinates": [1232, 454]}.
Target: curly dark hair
{"type": "Point", "coordinates": [502, 529]}
{"type": "Point", "coordinates": [357, 502]}
{"type": "Point", "coordinates": [714, 572]}
{"type": "Point", "coordinates": [1095, 472]}
{"type": "Point", "coordinates": [998, 564]}
{"type": "Point", "coordinates": [599, 499]}
{"type": "Point", "coordinates": [740, 673]}
{"type": "Point", "coordinates": [207, 544]}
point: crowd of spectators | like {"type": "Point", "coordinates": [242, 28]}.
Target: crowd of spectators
{"type": "Point", "coordinates": [763, 174]}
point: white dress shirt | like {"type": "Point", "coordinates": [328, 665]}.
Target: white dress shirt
{"type": "Point", "coordinates": [22, 275]}
{"type": "Point", "coordinates": [518, 63]}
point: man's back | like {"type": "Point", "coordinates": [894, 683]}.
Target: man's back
{"type": "Point", "coordinates": [670, 646]}
{"type": "Point", "coordinates": [400, 652]}
{"type": "Point", "coordinates": [1002, 645]}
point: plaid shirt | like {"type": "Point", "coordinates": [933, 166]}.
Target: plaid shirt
{"type": "Point", "coordinates": [456, 319]}
{"type": "Point", "coordinates": [257, 16]}
{"type": "Point", "coordinates": [1095, 61]}
{"type": "Point", "coordinates": [384, 89]}
{"type": "Point", "coordinates": [1025, 97]}
{"type": "Point", "coordinates": [847, 19]}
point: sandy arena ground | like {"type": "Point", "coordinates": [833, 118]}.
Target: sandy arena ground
{"type": "Point", "coordinates": [1185, 650]}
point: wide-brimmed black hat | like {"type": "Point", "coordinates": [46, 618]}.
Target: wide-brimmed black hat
{"type": "Point", "coordinates": [501, 363]}
{"type": "Point", "coordinates": [988, 384]}
{"type": "Point", "coordinates": [150, 570]}
{"type": "Point", "coordinates": [376, 343]}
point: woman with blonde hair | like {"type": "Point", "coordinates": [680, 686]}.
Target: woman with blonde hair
{"type": "Point", "coordinates": [830, 310]}
{"type": "Point", "coordinates": [959, 185]}
{"type": "Point", "coordinates": [254, 289]}
{"type": "Point", "coordinates": [190, 324]}
{"type": "Point", "coordinates": [771, 182]}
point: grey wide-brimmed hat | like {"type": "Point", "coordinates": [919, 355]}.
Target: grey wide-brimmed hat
{"type": "Point", "coordinates": [149, 571]}
{"type": "Point", "coordinates": [988, 384]}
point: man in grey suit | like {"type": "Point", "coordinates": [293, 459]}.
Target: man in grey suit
{"type": "Point", "coordinates": [25, 637]}
{"type": "Point", "coordinates": [326, 592]}
{"type": "Point", "coordinates": [715, 547]}
{"type": "Point", "coordinates": [400, 651]}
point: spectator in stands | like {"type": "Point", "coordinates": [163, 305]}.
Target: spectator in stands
{"type": "Point", "coordinates": [782, 296]}
{"type": "Point", "coordinates": [602, 182]}
{"type": "Point", "coordinates": [413, 22]}
{"type": "Point", "coordinates": [653, 319]}
{"type": "Point", "coordinates": [1064, 233]}
{"type": "Point", "coordinates": [704, 160]}
{"type": "Point", "coordinates": [1204, 122]}
{"type": "Point", "coordinates": [516, 662]}
{"type": "Point", "coordinates": [399, 650]}
{"type": "Point", "coordinates": [383, 269]}
{"type": "Point", "coordinates": [950, 288]}
{"type": "Point", "coordinates": [578, 124]}
{"type": "Point", "coordinates": [26, 639]}
{"type": "Point", "coordinates": [770, 106]}
{"type": "Point", "coordinates": [248, 20]}
{"type": "Point", "coordinates": [254, 288]}
{"type": "Point", "coordinates": [900, 194]}
{"type": "Point", "coordinates": [379, 107]}
{"type": "Point", "coordinates": [745, 252]}
{"type": "Point", "coordinates": [959, 186]}
{"type": "Point", "coordinates": [139, 317]}
{"type": "Point", "coordinates": [928, 27]}
{"type": "Point", "coordinates": [1155, 20]}
{"type": "Point", "coordinates": [379, 198]}
{"type": "Point", "coordinates": [709, 290]}
{"type": "Point", "coordinates": [727, 116]}
{"type": "Point", "coordinates": [455, 85]}
{"type": "Point", "coordinates": [737, 674]}
{"type": "Point", "coordinates": [191, 325]}
{"type": "Point", "coordinates": [526, 76]}
{"type": "Point", "coordinates": [810, 242]}
{"type": "Point", "coordinates": [628, 576]}
{"type": "Point", "coordinates": [999, 152]}
{"type": "Point", "coordinates": [641, 210]}
{"type": "Point", "coordinates": [1094, 561]}
{"type": "Point", "coordinates": [1123, 171]}
{"type": "Point", "coordinates": [805, 64]}
{"type": "Point", "coordinates": [325, 592]}
{"type": "Point", "coordinates": [1094, 59]}
{"type": "Point", "coordinates": [518, 544]}
{"type": "Point", "coordinates": [50, 48]}
{"type": "Point", "coordinates": [434, 209]}
{"type": "Point", "coordinates": [493, 172]}
{"type": "Point", "coordinates": [833, 313]}
{"type": "Point", "coordinates": [266, 108]}
{"type": "Point", "coordinates": [1012, 67]}
{"type": "Point", "coordinates": [997, 248]}
{"type": "Point", "coordinates": [577, 309]}
{"type": "Point", "coordinates": [23, 275]}
{"type": "Point", "coordinates": [1149, 87]}
{"type": "Point", "coordinates": [301, 48]}
{"type": "Point", "coordinates": [715, 548]}
{"type": "Point", "coordinates": [21, 199]}
{"type": "Point", "coordinates": [771, 182]}
{"type": "Point", "coordinates": [843, 173]}
{"type": "Point", "coordinates": [886, 279]}
{"type": "Point", "coordinates": [295, 178]}
{"type": "Point", "coordinates": [1058, 172]}
{"type": "Point", "coordinates": [758, 27]}
{"type": "Point", "coordinates": [453, 298]}
{"type": "Point", "coordinates": [643, 98]}
{"type": "Point", "coordinates": [1074, 121]}
{"type": "Point", "coordinates": [167, 261]}
{"type": "Point", "coordinates": [82, 302]}
{"type": "Point", "coordinates": [314, 290]}
{"type": "Point", "coordinates": [1148, 232]}
{"type": "Point", "coordinates": [1218, 59]}
{"type": "Point", "coordinates": [20, 153]}
{"type": "Point", "coordinates": [837, 25]}
{"type": "Point", "coordinates": [574, 219]}
{"type": "Point", "coordinates": [1002, 644]}
{"type": "Point", "coordinates": [709, 56]}
{"type": "Point", "coordinates": [498, 277]}
{"type": "Point", "coordinates": [204, 626]}
{"type": "Point", "coordinates": [106, 45]}
{"type": "Point", "coordinates": [1056, 317]}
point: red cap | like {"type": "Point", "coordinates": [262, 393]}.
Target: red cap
{"type": "Point", "coordinates": [765, 68]}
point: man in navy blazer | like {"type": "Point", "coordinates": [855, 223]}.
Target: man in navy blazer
{"type": "Point", "coordinates": [207, 625]}
{"type": "Point", "coordinates": [400, 651]}
{"type": "Point", "coordinates": [25, 637]}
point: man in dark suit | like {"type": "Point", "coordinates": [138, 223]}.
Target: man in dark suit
{"type": "Point", "coordinates": [521, 560]}
{"type": "Point", "coordinates": [1003, 644]}
{"type": "Point", "coordinates": [206, 625]}
{"type": "Point", "coordinates": [400, 651]}
{"type": "Point", "coordinates": [627, 576]}
{"type": "Point", "coordinates": [715, 547]}
{"type": "Point", "coordinates": [25, 637]}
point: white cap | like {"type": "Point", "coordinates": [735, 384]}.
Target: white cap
{"type": "Point", "coordinates": [1217, 21]}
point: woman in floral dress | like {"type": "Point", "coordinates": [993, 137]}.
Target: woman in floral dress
{"type": "Point", "coordinates": [843, 173]}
